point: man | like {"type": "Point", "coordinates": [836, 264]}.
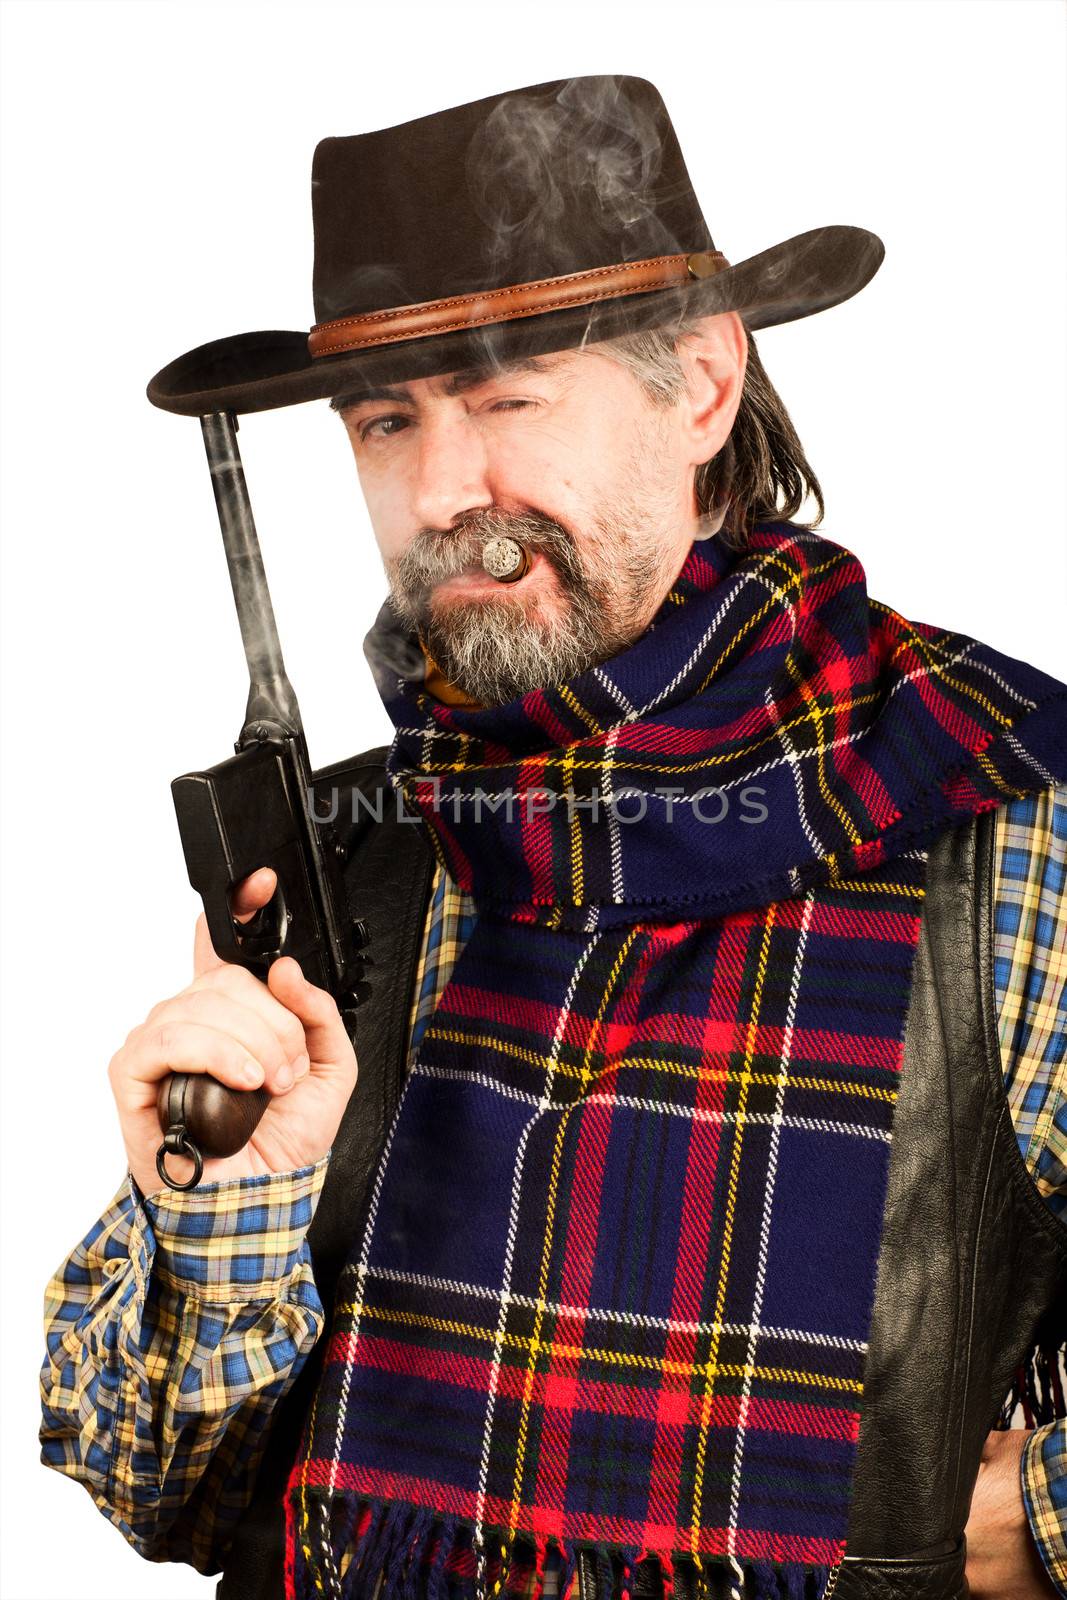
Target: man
{"type": "Point", "coordinates": [624, 1286]}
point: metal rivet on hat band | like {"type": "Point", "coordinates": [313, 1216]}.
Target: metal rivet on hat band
{"type": "Point", "coordinates": [518, 300]}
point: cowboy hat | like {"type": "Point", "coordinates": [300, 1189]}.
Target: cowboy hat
{"type": "Point", "coordinates": [523, 223]}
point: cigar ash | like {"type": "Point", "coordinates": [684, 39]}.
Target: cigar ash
{"type": "Point", "coordinates": [505, 559]}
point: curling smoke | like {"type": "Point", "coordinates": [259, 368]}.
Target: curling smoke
{"type": "Point", "coordinates": [567, 180]}
{"type": "Point", "coordinates": [587, 152]}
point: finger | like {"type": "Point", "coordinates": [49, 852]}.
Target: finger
{"type": "Point", "coordinates": [215, 1009]}
{"type": "Point", "coordinates": [189, 1047]}
{"type": "Point", "coordinates": [327, 1039]}
{"type": "Point", "coordinates": [243, 986]}
{"type": "Point", "coordinates": [252, 892]}
{"type": "Point", "coordinates": [246, 897]}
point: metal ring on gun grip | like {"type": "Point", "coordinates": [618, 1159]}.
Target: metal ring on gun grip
{"type": "Point", "coordinates": [184, 1146]}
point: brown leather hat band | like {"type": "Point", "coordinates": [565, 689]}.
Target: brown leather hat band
{"type": "Point", "coordinates": [520, 300]}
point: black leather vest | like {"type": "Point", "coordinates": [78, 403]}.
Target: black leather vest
{"type": "Point", "coordinates": [973, 1263]}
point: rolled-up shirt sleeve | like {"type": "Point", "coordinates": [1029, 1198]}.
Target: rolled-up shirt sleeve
{"type": "Point", "coordinates": [1043, 1466]}
{"type": "Point", "coordinates": [172, 1330]}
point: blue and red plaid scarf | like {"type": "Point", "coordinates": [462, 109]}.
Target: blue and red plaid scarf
{"type": "Point", "coordinates": [616, 1284]}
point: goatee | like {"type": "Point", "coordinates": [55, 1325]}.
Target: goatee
{"type": "Point", "coordinates": [508, 641]}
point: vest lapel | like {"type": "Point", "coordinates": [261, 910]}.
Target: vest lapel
{"type": "Point", "coordinates": [389, 872]}
{"type": "Point", "coordinates": [971, 1257]}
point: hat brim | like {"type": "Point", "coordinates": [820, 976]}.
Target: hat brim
{"type": "Point", "coordinates": [261, 371]}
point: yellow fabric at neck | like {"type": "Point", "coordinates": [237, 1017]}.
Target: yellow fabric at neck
{"type": "Point", "coordinates": [438, 685]}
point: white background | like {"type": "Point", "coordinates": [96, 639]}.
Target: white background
{"type": "Point", "coordinates": [156, 195]}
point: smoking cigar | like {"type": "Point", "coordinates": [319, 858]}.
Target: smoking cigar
{"type": "Point", "coordinates": [505, 559]}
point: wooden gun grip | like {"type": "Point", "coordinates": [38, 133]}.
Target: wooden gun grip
{"type": "Point", "coordinates": [201, 1117]}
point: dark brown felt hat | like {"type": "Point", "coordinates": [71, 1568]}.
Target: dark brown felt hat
{"type": "Point", "coordinates": [523, 223]}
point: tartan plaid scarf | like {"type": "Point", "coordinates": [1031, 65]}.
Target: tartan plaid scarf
{"type": "Point", "coordinates": [616, 1283]}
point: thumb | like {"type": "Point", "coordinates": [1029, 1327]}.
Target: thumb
{"type": "Point", "coordinates": [324, 1031]}
{"type": "Point", "coordinates": [246, 897]}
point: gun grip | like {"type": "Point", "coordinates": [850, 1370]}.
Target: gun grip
{"type": "Point", "coordinates": [197, 1110]}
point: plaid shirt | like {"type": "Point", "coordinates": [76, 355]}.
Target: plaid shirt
{"type": "Point", "coordinates": [178, 1322]}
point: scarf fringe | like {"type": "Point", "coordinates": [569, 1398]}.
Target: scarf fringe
{"type": "Point", "coordinates": [338, 1544]}
{"type": "Point", "coordinates": [344, 1542]}
{"type": "Point", "coordinates": [1039, 1386]}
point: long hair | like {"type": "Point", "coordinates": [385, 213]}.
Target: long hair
{"type": "Point", "coordinates": [761, 472]}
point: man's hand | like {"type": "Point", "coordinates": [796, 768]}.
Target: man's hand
{"type": "Point", "coordinates": [285, 1034]}
{"type": "Point", "coordinates": [1002, 1559]}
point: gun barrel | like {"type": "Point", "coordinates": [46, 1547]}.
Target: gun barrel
{"type": "Point", "coordinates": [272, 704]}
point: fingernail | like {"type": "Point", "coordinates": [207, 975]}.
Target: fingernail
{"type": "Point", "coordinates": [285, 1078]}
{"type": "Point", "coordinates": [303, 1066]}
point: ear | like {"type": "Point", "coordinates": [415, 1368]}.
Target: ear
{"type": "Point", "coordinates": [713, 357]}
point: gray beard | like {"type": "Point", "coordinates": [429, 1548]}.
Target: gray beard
{"type": "Point", "coordinates": [495, 649]}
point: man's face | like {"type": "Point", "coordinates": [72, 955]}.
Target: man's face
{"type": "Point", "coordinates": [567, 454]}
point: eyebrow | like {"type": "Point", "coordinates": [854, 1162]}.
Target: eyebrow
{"type": "Point", "coordinates": [458, 382]}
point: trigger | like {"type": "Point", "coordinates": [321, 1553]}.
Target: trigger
{"type": "Point", "coordinates": [264, 933]}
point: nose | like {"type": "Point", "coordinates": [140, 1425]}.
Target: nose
{"type": "Point", "coordinates": [451, 470]}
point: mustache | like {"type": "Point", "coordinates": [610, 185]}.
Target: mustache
{"type": "Point", "coordinates": [440, 553]}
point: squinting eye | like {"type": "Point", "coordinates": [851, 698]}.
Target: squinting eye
{"type": "Point", "coordinates": [379, 422]}
{"type": "Point", "coordinates": [381, 427]}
